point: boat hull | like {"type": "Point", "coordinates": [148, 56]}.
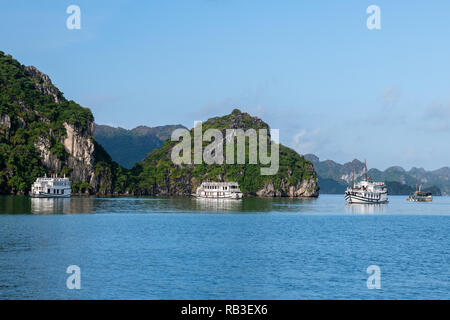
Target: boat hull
{"type": "Point", "coordinates": [420, 200]}
{"type": "Point", "coordinates": [48, 195]}
{"type": "Point", "coordinates": [351, 198]}
{"type": "Point", "coordinates": [231, 197]}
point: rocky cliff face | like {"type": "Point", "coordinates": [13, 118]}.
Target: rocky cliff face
{"type": "Point", "coordinates": [42, 132]}
{"type": "Point", "coordinates": [79, 146]}
{"type": "Point", "coordinates": [78, 142]}
{"type": "Point", "coordinates": [5, 121]}
{"type": "Point", "coordinates": [44, 84]}
{"type": "Point", "coordinates": [304, 189]}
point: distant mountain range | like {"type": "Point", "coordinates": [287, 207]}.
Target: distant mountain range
{"type": "Point", "coordinates": [334, 177]}
{"type": "Point", "coordinates": [127, 147]}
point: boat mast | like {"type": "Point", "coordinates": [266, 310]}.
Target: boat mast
{"type": "Point", "coordinates": [365, 170]}
{"type": "Point", "coordinates": [353, 177]}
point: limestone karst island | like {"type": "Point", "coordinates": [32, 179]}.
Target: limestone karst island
{"type": "Point", "coordinates": [42, 133]}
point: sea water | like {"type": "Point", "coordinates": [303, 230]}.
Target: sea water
{"type": "Point", "coordinates": [183, 248]}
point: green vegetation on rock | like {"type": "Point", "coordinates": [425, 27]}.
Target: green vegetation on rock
{"type": "Point", "coordinates": [42, 132]}
{"type": "Point", "coordinates": [157, 174]}
{"type": "Point", "coordinates": [33, 116]}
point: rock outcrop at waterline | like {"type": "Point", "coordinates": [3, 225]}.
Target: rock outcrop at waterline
{"type": "Point", "coordinates": [158, 175]}
{"type": "Point", "coordinates": [304, 189]}
{"type": "Point", "coordinates": [42, 132]}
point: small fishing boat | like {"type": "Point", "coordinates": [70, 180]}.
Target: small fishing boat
{"type": "Point", "coordinates": [219, 190]}
{"type": "Point", "coordinates": [420, 196]}
{"type": "Point", "coordinates": [52, 187]}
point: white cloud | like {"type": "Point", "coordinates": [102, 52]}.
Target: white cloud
{"type": "Point", "coordinates": [390, 96]}
{"type": "Point", "coordinates": [309, 141]}
{"type": "Point", "coordinates": [436, 117]}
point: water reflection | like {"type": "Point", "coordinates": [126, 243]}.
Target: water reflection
{"type": "Point", "coordinates": [180, 205]}
{"type": "Point", "coordinates": [61, 205]}
{"type": "Point", "coordinates": [143, 205]}
{"type": "Point", "coordinates": [356, 208]}
{"type": "Point", "coordinates": [217, 204]}
{"type": "Point", "coordinates": [14, 204]}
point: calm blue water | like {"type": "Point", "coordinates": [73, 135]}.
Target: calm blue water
{"type": "Point", "coordinates": [147, 248]}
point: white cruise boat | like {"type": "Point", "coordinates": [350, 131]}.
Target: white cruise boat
{"type": "Point", "coordinates": [51, 188]}
{"type": "Point", "coordinates": [366, 191]}
{"type": "Point", "coordinates": [219, 190]}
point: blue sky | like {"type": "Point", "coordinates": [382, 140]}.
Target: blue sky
{"type": "Point", "coordinates": [309, 68]}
